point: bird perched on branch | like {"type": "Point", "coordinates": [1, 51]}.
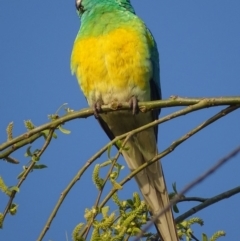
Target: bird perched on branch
{"type": "Point", "coordinates": [115, 59]}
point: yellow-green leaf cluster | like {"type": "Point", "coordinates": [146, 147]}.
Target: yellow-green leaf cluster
{"type": "Point", "coordinates": [76, 236]}
{"type": "Point", "coordinates": [4, 188]}
{"type": "Point", "coordinates": [132, 215]}
{"type": "Point", "coordinates": [13, 209]}
{"type": "Point", "coordinates": [96, 178]}
{"type": "Point", "coordinates": [89, 214]}
{"type": "Point", "coordinates": [217, 235]}
{"type": "Point", "coordinates": [29, 125]}
{"type": "Point", "coordinates": [9, 131]}
{"type": "Point", "coordinates": [1, 220]}
{"type": "Point", "coordinates": [184, 228]}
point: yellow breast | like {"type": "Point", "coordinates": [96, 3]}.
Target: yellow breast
{"type": "Point", "coordinates": [113, 66]}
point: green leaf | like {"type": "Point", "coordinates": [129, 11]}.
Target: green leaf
{"type": "Point", "coordinates": [130, 202]}
{"type": "Point", "coordinates": [39, 166]}
{"type": "Point", "coordinates": [104, 211]}
{"type": "Point", "coordinates": [28, 152]}
{"type": "Point", "coordinates": [117, 185]}
{"type": "Point", "coordinates": [106, 163]}
{"type": "Point", "coordinates": [29, 125]}
{"type": "Point", "coordinates": [1, 220]}
{"type": "Point", "coordinates": [22, 173]}
{"type": "Point", "coordinates": [14, 188]}
{"type": "Point", "coordinates": [119, 168]}
{"type": "Point", "coordinates": [171, 195]}
{"type": "Point", "coordinates": [75, 234]}
{"type": "Point", "coordinates": [126, 148]}
{"type": "Point", "coordinates": [183, 225]}
{"type": "Point", "coordinates": [4, 187]}
{"type": "Point", "coordinates": [175, 209]}
{"type": "Point", "coordinates": [36, 152]}
{"type": "Point", "coordinates": [53, 117]}
{"type": "Point", "coordinates": [204, 237]}
{"type": "Point", "coordinates": [174, 185]}
{"type": "Point", "coordinates": [64, 131]}
{"type": "Point", "coordinates": [68, 110]}
{"type": "Point", "coordinates": [35, 158]}
{"type": "Point", "coordinates": [9, 131]}
{"type": "Point", "coordinates": [119, 143]}
{"type": "Point", "coordinates": [13, 209]}
{"type": "Point", "coordinates": [109, 151]}
{"type": "Point", "coordinates": [97, 180]}
{"type": "Point", "coordinates": [113, 175]}
{"type": "Point", "coordinates": [46, 133]}
{"type": "Point", "coordinates": [61, 107]}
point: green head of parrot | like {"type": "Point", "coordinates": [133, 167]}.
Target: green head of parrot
{"type": "Point", "coordinates": [83, 6]}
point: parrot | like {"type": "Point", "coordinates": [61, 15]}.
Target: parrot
{"type": "Point", "coordinates": [115, 60]}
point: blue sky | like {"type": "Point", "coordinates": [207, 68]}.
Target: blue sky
{"type": "Point", "coordinates": [199, 50]}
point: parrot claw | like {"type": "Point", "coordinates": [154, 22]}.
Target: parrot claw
{"type": "Point", "coordinates": [133, 102]}
{"type": "Point", "coordinates": [97, 109]}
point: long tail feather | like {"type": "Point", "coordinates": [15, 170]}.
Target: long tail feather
{"type": "Point", "coordinates": [152, 185]}
{"type": "Point", "coordinates": [142, 148]}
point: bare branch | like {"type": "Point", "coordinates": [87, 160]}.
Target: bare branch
{"type": "Point", "coordinates": [193, 237]}
{"type": "Point", "coordinates": [207, 202]}
{"type": "Point", "coordinates": [195, 199]}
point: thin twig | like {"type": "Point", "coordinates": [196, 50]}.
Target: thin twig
{"type": "Point", "coordinates": [190, 186]}
{"type": "Point", "coordinates": [114, 160]}
{"type": "Point", "coordinates": [28, 170]}
{"type": "Point", "coordinates": [194, 199]}
{"type": "Point", "coordinates": [193, 237]}
{"type": "Point", "coordinates": [20, 144]}
{"type": "Point", "coordinates": [208, 202]}
{"type": "Point", "coordinates": [98, 154]}
{"type": "Point", "coordinates": [200, 104]}
{"type": "Point", "coordinates": [172, 147]}
{"type": "Point", "coordinates": [11, 160]}
{"type": "Point", "coordinates": [168, 150]}
{"type": "Point", "coordinates": [89, 224]}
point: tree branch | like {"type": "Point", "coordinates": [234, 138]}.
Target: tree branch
{"type": "Point", "coordinates": [27, 171]}
{"type": "Point", "coordinates": [202, 103]}
{"type": "Point", "coordinates": [99, 153]}
{"type": "Point", "coordinates": [171, 147]}
{"type": "Point", "coordinates": [195, 199]}
{"type": "Point", "coordinates": [114, 160]}
{"type": "Point", "coordinates": [207, 202]}
{"type": "Point", "coordinates": [84, 113]}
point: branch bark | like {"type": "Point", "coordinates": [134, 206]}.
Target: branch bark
{"type": "Point", "coordinates": [207, 202]}
{"type": "Point", "coordinates": [84, 113]}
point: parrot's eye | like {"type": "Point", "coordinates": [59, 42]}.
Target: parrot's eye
{"type": "Point", "coordinates": [79, 6]}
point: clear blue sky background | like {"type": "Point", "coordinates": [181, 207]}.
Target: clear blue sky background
{"type": "Point", "coordinates": [199, 45]}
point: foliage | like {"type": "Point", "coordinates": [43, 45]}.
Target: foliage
{"type": "Point", "coordinates": [131, 215]}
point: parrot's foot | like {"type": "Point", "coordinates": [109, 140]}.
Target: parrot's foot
{"type": "Point", "coordinates": [133, 102]}
{"type": "Point", "coordinates": [97, 109]}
